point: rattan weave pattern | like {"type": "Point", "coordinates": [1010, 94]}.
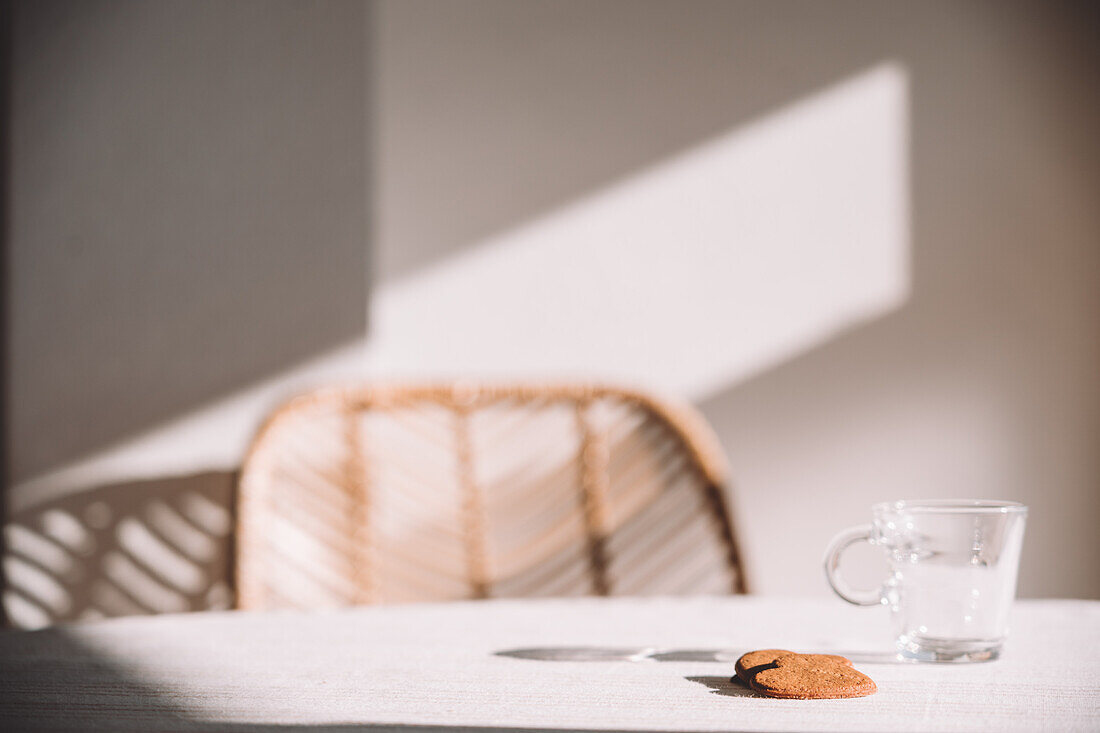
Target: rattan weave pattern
{"type": "Point", "coordinates": [404, 493]}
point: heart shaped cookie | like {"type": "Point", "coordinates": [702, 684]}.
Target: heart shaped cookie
{"type": "Point", "coordinates": [812, 677]}
{"type": "Point", "coordinates": [752, 662]}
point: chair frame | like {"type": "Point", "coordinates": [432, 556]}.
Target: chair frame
{"type": "Point", "coordinates": [463, 397]}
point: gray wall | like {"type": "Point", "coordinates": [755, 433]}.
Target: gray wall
{"type": "Point", "coordinates": [984, 384]}
{"type": "Point", "coordinates": [188, 208]}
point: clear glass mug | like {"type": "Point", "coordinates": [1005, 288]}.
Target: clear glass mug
{"type": "Point", "coordinates": [953, 573]}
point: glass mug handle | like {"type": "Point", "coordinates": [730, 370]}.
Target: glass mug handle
{"type": "Point", "coordinates": [837, 547]}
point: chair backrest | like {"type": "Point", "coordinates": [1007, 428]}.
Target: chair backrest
{"type": "Point", "coordinates": [422, 493]}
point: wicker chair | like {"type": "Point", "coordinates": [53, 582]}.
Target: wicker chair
{"type": "Point", "coordinates": [423, 493]}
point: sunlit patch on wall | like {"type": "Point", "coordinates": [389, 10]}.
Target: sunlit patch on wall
{"type": "Point", "coordinates": [691, 275]}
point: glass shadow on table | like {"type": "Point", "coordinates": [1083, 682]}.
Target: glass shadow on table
{"type": "Point", "coordinates": [654, 654]}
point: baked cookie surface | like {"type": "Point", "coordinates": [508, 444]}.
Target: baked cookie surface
{"type": "Point", "coordinates": [750, 663]}
{"type": "Point", "coordinates": [812, 677]}
{"type": "Point", "coordinates": [786, 674]}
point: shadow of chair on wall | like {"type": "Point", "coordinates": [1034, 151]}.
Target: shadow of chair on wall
{"type": "Point", "coordinates": [155, 546]}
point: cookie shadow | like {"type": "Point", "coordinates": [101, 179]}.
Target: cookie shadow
{"type": "Point", "coordinates": [722, 686]}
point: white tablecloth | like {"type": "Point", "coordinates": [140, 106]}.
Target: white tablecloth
{"type": "Point", "coordinates": [423, 667]}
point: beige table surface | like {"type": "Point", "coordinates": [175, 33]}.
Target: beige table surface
{"type": "Point", "coordinates": [456, 667]}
